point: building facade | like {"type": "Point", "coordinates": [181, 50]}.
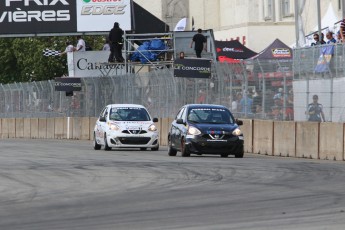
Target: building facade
{"type": "Point", "coordinates": [255, 23]}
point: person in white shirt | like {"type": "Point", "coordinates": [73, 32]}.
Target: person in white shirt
{"type": "Point", "coordinates": [81, 44]}
{"type": "Point", "coordinates": [69, 48]}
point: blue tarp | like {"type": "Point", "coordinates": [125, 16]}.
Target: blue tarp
{"type": "Point", "coordinates": [149, 51]}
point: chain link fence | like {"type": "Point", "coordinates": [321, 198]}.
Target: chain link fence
{"type": "Point", "coordinates": [258, 89]}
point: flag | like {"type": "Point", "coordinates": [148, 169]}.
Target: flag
{"type": "Point", "coordinates": [324, 59]}
{"type": "Point", "coordinates": [193, 28]}
{"type": "Point", "coordinates": [48, 52]}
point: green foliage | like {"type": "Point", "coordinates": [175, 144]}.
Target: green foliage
{"type": "Point", "coordinates": [22, 60]}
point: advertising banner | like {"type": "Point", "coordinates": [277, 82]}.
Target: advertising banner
{"type": "Point", "coordinates": [94, 64]}
{"type": "Point", "coordinates": [96, 15]}
{"type": "Point", "coordinates": [21, 17]}
{"type": "Point", "coordinates": [192, 68]}
{"type": "Point", "coordinates": [67, 84]}
{"type": "Point", "coordinates": [39, 16]}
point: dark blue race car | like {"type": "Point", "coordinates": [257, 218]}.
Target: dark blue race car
{"type": "Point", "coordinates": [205, 129]}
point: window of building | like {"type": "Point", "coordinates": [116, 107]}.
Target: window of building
{"type": "Point", "coordinates": [268, 9]}
{"type": "Point", "coordinates": [285, 6]}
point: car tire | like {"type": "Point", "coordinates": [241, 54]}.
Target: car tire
{"type": "Point", "coordinates": [155, 148]}
{"type": "Point", "coordinates": [143, 149]}
{"type": "Point", "coordinates": [106, 146]}
{"type": "Point", "coordinates": [240, 153]}
{"type": "Point", "coordinates": [95, 145]}
{"type": "Point", "coordinates": [184, 150]}
{"type": "Point", "coordinates": [171, 151]}
{"type": "Point", "coordinates": [224, 155]}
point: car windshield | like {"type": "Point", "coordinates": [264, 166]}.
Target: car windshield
{"type": "Point", "coordinates": [210, 116]}
{"type": "Point", "coordinates": [129, 114]}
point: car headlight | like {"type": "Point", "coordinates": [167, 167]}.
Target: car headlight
{"type": "Point", "coordinates": [237, 132]}
{"type": "Point", "coordinates": [152, 128]}
{"type": "Point", "coordinates": [193, 131]}
{"type": "Point", "coordinates": [114, 127]}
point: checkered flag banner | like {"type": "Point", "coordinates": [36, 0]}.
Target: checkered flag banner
{"type": "Point", "coordinates": [48, 52]}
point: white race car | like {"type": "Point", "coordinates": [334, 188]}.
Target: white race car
{"type": "Point", "coordinates": [125, 126]}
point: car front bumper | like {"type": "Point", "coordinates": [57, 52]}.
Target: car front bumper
{"type": "Point", "coordinates": [121, 140]}
{"type": "Point", "coordinates": [200, 145]}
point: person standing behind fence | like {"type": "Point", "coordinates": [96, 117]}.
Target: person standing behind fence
{"type": "Point", "coordinates": [200, 43]}
{"type": "Point", "coordinates": [315, 110]}
{"type": "Point", "coordinates": [81, 44]}
{"type": "Point", "coordinates": [116, 43]}
{"type": "Point", "coordinates": [342, 30]}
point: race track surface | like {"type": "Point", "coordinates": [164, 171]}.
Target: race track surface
{"type": "Point", "coordinates": [63, 184]}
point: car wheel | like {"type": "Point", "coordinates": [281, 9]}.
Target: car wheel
{"type": "Point", "coordinates": [143, 149]}
{"type": "Point", "coordinates": [240, 153]}
{"type": "Point", "coordinates": [224, 155]}
{"type": "Point", "coordinates": [106, 146]}
{"type": "Point", "coordinates": [171, 152]}
{"type": "Point", "coordinates": [155, 148]}
{"type": "Point", "coordinates": [184, 150]}
{"type": "Point", "coordinates": [95, 145]}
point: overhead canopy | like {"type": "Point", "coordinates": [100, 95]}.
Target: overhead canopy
{"type": "Point", "coordinates": [275, 51]}
{"type": "Point", "coordinates": [233, 49]}
{"type": "Point", "coordinates": [144, 22]}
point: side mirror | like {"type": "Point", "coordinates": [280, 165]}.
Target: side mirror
{"type": "Point", "coordinates": [102, 119]}
{"type": "Point", "coordinates": [180, 121]}
{"type": "Point", "coordinates": [239, 122]}
{"type": "Point", "coordinates": [155, 119]}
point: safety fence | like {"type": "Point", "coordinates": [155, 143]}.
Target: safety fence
{"type": "Point", "coordinates": [266, 89]}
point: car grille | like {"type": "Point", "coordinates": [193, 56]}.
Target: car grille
{"type": "Point", "coordinates": [134, 131]}
{"type": "Point", "coordinates": [217, 136]}
{"type": "Point", "coordinates": [134, 140]}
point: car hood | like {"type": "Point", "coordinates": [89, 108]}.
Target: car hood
{"type": "Point", "coordinates": [132, 125]}
{"type": "Point", "coordinates": [207, 128]}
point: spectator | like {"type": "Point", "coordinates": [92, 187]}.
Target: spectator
{"type": "Point", "coordinates": [317, 40]}
{"type": "Point", "coordinates": [279, 94]}
{"type": "Point", "coordinates": [246, 104]}
{"type": "Point", "coordinates": [69, 48]}
{"type": "Point", "coordinates": [257, 103]}
{"type": "Point", "coordinates": [200, 43]}
{"type": "Point", "coordinates": [330, 38]}
{"type": "Point", "coordinates": [338, 37]}
{"type": "Point", "coordinates": [106, 46]}
{"type": "Point", "coordinates": [342, 30]}
{"type": "Point", "coordinates": [81, 44]}
{"type": "Point", "coordinates": [116, 43]}
{"type": "Point", "coordinates": [315, 110]}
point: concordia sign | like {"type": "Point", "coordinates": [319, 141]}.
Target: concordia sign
{"type": "Point", "coordinates": [18, 17]}
{"type": "Point", "coordinates": [192, 68]}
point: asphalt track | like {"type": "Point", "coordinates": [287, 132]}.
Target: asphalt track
{"type": "Point", "coordinates": [61, 184]}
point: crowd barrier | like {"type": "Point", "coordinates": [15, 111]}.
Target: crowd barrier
{"type": "Point", "coordinates": [312, 140]}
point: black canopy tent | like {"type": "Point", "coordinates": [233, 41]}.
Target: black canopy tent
{"type": "Point", "coordinates": [143, 22]}
{"type": "Point", "coordinates": [230, 50]}
{"type": "Point", "coordinates": [273, 61]}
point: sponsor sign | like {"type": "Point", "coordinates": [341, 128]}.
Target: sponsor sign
{"type": "Point", "coordinates": [67, 84]}
{"type": "Point", "coordinates": [192, 68]}
{"type": "Point", "coordinates": [100, 15]}
{"type": "Point", "coordinates": [281, 52]}
{"type": "Point", "coordinates": [63, 16]}
{"type": "Point", "coordinates": [94, 64]}
{"type": "Point", "coordinates": [39, 16]}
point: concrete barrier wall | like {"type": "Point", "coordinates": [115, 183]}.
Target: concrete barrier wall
{"type": "Point", "coordinates": [247, 129]}
{"type": "Point", "coordinates": [330, 145]}
{"type": "Point", "coordinates": [324, 141]}
{"type": "Point", "coordinates": [284, 141]}
{"type": "Point", "coordinates": [263, 137]}
{"type": "Point", "coordinates": [307, 139]}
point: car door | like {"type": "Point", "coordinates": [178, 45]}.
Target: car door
{"type": "Point", "coordinates": [174, 130]}
{"type": "Point", "coordinates": [181, 128]}
{"type": "Point", "coordinates": [101, 125]}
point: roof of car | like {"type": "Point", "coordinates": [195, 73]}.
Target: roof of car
{"type": "Point", "coordinates": [126, 105]}
{"type": "Point", "coordinates": [205, 106]}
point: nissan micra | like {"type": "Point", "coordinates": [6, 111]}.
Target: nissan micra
{"type": "Point", "coordinates": [205, 129]}
{"type": "Point", "coordinates": [125, 126]}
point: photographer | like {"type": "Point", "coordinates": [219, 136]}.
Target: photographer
{"type": "Point", "coordinates": [315, 110]}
